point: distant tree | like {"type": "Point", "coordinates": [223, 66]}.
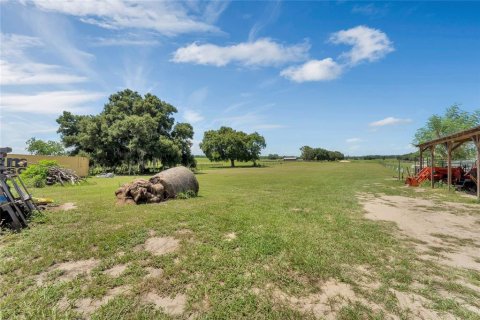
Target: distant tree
{"type": "Point", "coordinates": [40, 147]}
{"type": "Point", "coordinates": [254, 143]}
{"type": "Point", "coordinates": [273, 156]}
{"type": "Point", "coordinates": [226, 144]}
{"type": "Point", "coordinates": [320, 154]}
{"type": "Point", "coordinates": [182, 135]}
{"type": "Point", "coordinates": [307, 153]}
{"type": "Point", "coordinates": [130, 131]}
{"type": "Point", "coordinates": [454, 120]}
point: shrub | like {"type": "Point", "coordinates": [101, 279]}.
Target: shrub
{"type": "Point", "coordinates": [36, 174]}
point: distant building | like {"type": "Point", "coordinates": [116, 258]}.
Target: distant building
{"type": "Point", "coordinates": [289, 158]}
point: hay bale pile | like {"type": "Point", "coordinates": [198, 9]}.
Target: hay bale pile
{"type": "Point", "coordinates": [162, 186]}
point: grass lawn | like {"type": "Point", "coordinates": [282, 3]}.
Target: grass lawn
{"type": "Point", "coordinates": [253, 239]}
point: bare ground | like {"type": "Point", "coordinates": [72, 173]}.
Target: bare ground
{"type": "Point", "coordinates": [69, 270]}
{"type": "Point", "coordinates": [445, 233]}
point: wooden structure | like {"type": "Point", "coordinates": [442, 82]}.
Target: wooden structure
{"type": "Point", "coordinates": [452, 142]}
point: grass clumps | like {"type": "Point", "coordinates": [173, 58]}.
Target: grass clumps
{"type": "Point", "coordinates": [186, 195]}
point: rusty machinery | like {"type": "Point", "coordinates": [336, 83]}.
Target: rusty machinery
{"type": "Point", "coordinates": [16, 203]}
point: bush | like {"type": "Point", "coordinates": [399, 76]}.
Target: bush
{"type": "Point", "coordinates": [36, 174]}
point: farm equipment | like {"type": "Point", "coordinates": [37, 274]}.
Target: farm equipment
{"type": "Point", "coordinates": [469, 181]}
{"type": "Point", "coordinates": [16, 203]}
{"type": "Point", "coordinates": [460, 178]}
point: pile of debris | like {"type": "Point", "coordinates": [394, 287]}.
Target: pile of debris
{"type": "Point", "coordinates": [62, 176]}
{"type": "Point", "coordinates": [16, 203]}
{"type": "Point", "coordinates": [165, 185]}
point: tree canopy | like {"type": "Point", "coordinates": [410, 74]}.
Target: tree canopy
{"type": "Point", "coordinates": [454, 120]}
{"type": "Point", "coordinates": [226, 144]}
{"type": "Point", "coordinates": [45, 148]}
{"type": "Point", "coordinates": [130, 131]}
{"type": "Point", "coordinates": [309, 153]}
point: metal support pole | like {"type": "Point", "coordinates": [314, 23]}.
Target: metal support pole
{"type": "Point", "coordinates": [398, 169]}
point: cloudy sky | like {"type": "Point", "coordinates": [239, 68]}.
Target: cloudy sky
{"type": "Point", "coordinates": [357, 77]}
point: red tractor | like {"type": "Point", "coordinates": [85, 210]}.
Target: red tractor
{"type": "Point", "coordinates": [439, 173]}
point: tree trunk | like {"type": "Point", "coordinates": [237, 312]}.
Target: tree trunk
{"type": "Point", "coordinates": [232, 163]}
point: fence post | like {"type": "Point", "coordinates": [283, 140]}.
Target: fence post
{"type": "Point", "coordinates": [399, 169]}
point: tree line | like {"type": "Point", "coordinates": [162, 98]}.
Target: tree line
{"type": "Point", "coordinates": [309, 154]}
{"type": "Point", "coordinates": [134, 130]}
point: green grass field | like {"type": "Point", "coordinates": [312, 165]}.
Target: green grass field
{"type": "Point", "coordinates": [251, 232]}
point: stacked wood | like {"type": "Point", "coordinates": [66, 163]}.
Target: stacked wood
{"type": "Point", "coordinates": [162, 186]}
{"type": "Point", "coordinates": [62, 176]}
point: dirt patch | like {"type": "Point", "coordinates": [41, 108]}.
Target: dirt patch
{"type": "Point", "coordinates": [117, 270]}
{"type": "Point", "coordinates": [417, 306]}
{"type": "Point", "coordinates": [364, 276]}
{"type": "Point", "coordinates": [173, 307]}
{"type": "Point", "coordinates": [64, 207]}
{"type": "Point", "coordinates": [69, 270]}
{"type": "Point", "coordinates": [154, 272]}
{"type": "Point", "coordinates": [161, 245]}
{"type": "Point", "coordinates": [334, 296]}
{"type": "Point", "coordinates": [469, 285]}
{"type": "Point", "coordinates": [88, 306]}
{"type": "Point", "coordinates": [230, 236]}
{"type": "Point", "coordinates": [426, 221]}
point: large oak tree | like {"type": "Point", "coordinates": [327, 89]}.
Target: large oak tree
{"type": "Point", "coordinates": [226, 144]}
{"type": "Point", "coordinates": [130, 130]}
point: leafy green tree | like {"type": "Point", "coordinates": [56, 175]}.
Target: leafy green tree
{"type": "Point", "coordinates": [182, 135]}
{"type": "Point", "coordinates": [309, 153]}
{"type": "Point", "coordinates": [254, 143]}
{"type": "Point", "coordinates": [40, 147]}
{"type": "Point", "coordinates": [226, 144]}
{"type": "Point", "coordinates": [273, 156]}
{"type": "Point", "coordinates": [130, 131]}
{"type": "Point", "coordinates": [454, 120]}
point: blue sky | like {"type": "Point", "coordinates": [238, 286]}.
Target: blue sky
{"type": "Point", "coordinates": [358, 77]}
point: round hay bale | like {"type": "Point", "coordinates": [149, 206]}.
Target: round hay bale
{"type": "Point", "coordinates": [157, 189]}
{"type": "Point", "coordinates": [175, 181]}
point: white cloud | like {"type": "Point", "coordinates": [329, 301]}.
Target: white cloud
{"type": "Point", "coordinates": [16, 68]}
{"type": "Point", "coordinates": [368, 44]}
{"type": "Point", "coordinates": [58, 38]}
{"type": "Point", "coordinates": [313, 70]}
{"type": "Point", "coordinates": [353, 140]}
{"type": "Point", "coordinates": [369, 9]}
{"type": "Point", "coordinates": [15, 44]}
{"type": "Point", "coordinates": [389, 121]}
{"type": "Point", "coordinates": [192, 116]}
{"type": "Point", "coordinates": [262, 52]}
{"type": "Point", "coordinates": [34, 73]}
{"type": "Point", "coordinates": [165, 17]}
{"type": "Point", "coordinates": [53, 102]}
{"type": "Point", "coordinates": [124, 42]}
